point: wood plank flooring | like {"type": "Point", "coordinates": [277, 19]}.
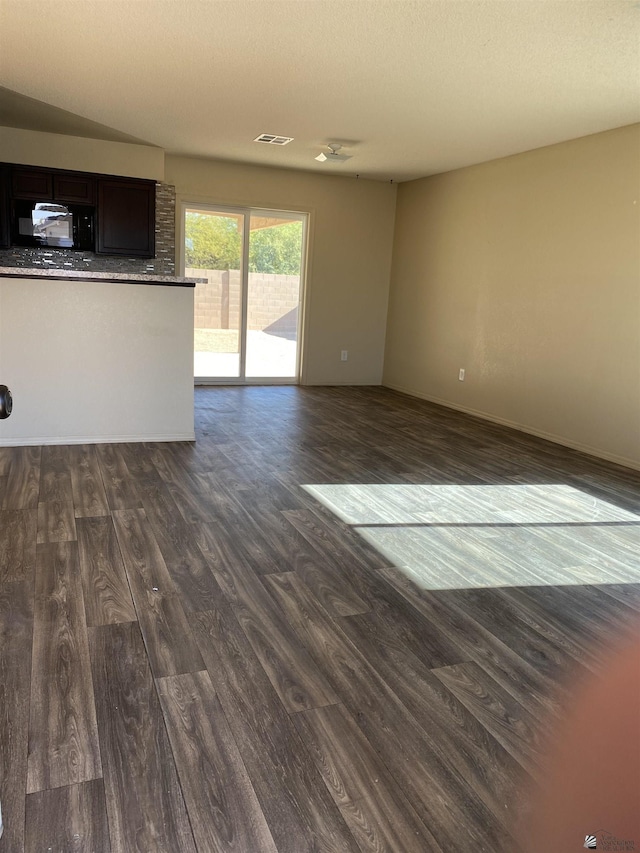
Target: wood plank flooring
{"type": "Point", "coordinates": [342, 620]}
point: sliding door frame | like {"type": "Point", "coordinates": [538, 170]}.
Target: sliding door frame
{"type": "Point", "coordinates": [184, 204]}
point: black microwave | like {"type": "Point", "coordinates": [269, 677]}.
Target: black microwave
{"type": "Point", "coordinates": [51, 224]}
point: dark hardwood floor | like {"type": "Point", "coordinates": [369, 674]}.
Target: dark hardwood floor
{"type": "Point", "coordinates": [343, 619]}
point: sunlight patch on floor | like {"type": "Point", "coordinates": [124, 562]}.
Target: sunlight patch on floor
{"type": "Point", "coordinates": [458, 536]}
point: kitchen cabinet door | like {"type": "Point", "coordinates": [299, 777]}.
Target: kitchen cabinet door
{"type": "Point", "coordinates": [126, 218]}
{"type": "Point", "coordinates": [77, 189]}
{"type": "Point", "coordinates": [31, 183]}
{"type": "Point", "coordinates": [4, 207]}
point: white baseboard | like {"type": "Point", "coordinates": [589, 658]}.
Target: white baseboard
{"type": "Point", "coordinates": [94, 439]}
{"type": "Point", "coordinates": [549, 436]}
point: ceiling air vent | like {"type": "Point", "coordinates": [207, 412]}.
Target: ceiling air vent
{"type": "Point", "coordinates": [272, 139]}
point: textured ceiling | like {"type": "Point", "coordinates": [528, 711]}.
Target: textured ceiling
{"type": "Point", "coordinates": [409, 88]}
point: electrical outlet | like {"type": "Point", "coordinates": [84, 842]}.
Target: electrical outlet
{"type": "Point", "coordinates": [344, 355]}
{"type": "Point", "coordinates": [461, 374]}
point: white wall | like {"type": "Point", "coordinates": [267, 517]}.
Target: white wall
{"type": "Point", "coordinates": [526, 272]}
{"type": "Point", "coordinates": [94, 362]}
{"type": "Point", "coordinates": [350, 242]}
{"type": "Point", "coordinates": [56, 151]}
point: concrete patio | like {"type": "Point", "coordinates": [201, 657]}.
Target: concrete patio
{"type": "Point", "coordinates": [268, 356]}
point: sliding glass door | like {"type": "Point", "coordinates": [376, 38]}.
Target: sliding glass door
{"type": "Point", "coordinates": [247, 315]}
{"type": "Point", "coordinates": [214, 250]}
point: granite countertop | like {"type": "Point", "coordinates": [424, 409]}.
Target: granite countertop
{"type": "Point", "coordinates": [110, 277]}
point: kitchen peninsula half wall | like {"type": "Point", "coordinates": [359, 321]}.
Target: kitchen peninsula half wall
{"type": "Point", "coordinates": [96, 357]}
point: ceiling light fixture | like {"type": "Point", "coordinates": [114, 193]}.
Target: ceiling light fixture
{"type": "Point", "coordinates": [333, 156]}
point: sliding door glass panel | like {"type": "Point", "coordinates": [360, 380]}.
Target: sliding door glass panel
{"type": "Point", "coordinates": [213, 250]}
{"type": "Point", "coordinates": [273, 294]}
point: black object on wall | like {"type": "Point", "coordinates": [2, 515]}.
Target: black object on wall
{"type": "Point", "coordinates": [6, 402]}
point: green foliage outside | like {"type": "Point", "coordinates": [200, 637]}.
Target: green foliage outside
{"type": "Point", "coordinates": [276, 249]}
{"type": "Point", "coordinates": [213, 242]}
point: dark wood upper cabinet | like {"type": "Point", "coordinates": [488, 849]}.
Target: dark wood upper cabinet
{"type": "Point", "coordinates": [126, 217]}
{"type": "Point", "coordinates": [46, 185]}
{"type": "Point", "coordinates": [5, 231]}
{"type": "Point", "coordinates": [77, 189]}
{"type": "Point", "coordinates": [125, 207]}
{"type": "Point", "coordinates": [31, 183]}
